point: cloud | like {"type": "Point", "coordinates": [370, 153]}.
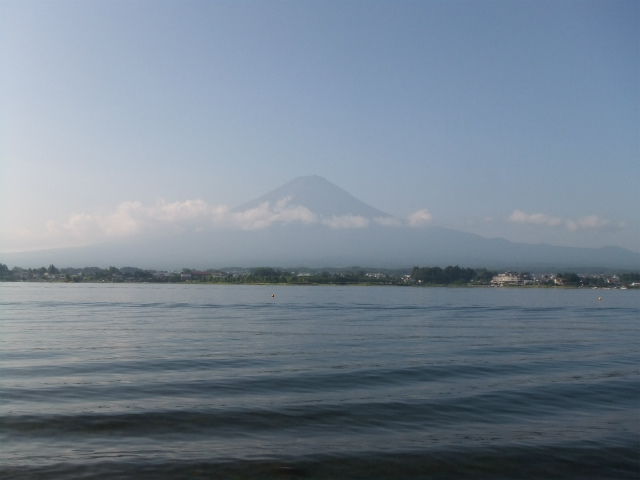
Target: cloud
{"type": "Point", "coordinates": [132, 218]}
{"type": "Point", "coordinates": [519, 216]}
{"type": "Point", "coordinates": [593, 222]}
{"type": "Point", "coordinates": [264, 216]}
{"type": "Point", "coordinates": [419, 218]}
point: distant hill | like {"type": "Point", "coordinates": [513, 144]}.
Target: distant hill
{"type": "Point", "coordinates": [317, 244]}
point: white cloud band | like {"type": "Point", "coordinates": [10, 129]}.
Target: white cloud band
{"type": "Point", "coordinates": [419, 218]}
{"type": "Point", "coordinates": [519, 216]}
{"type": "Point", "coordinates": [593, 222]}
{"type": "Point", "coordinates": [133, 218]}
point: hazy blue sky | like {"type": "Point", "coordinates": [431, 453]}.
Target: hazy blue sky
{"type": "Point", "coordinates": [517, 119]}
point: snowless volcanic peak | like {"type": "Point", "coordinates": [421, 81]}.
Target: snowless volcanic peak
{"type": "Point", "coordinates": [318, 195]}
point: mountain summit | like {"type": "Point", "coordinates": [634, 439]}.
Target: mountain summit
{"type": "Point", "coordinates": [317, 195]}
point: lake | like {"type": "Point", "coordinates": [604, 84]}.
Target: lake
{"type": "Point", "coordinates": [294, 382]}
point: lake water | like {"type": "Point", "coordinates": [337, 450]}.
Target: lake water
{"type": "Point", "coordinates": [217, 381]}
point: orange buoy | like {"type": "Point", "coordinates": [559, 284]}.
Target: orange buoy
{"type": "Point", "coordinates": [272, 296]}
{"type": "Point", "coordinates": [600, 298]}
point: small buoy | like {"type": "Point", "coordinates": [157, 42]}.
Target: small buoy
{"type": "Point", "coordinates": [599, 298]}
{"type": "Point", "coordinates": [272, 296]}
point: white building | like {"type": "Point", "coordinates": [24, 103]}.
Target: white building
{"type": "Point", "coordinates": [507, 278]}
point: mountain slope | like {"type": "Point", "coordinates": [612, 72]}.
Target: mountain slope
{"type": "Point", "coordinates": [319, 196]}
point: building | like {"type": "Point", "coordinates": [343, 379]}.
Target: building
{"type": "Point", "coordinates": [507, 278]}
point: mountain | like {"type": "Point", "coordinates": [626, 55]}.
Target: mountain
{"type": "Point", "coordinates": [337, 230]}
{"type": "Point", "coordinates": [319, 196]}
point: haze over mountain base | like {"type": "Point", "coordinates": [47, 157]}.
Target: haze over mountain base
{"type": "Point", "coordinates": [330, 229]}
{"type": "Point", "coordinates": [318, 246]}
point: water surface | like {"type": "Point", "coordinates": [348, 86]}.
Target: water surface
{"type": "Point", "coordinates": [221, 381]}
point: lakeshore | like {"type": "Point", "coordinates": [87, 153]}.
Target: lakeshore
{"type": "Point", "coordinates": [451, 276]}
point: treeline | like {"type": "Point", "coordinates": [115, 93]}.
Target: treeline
{"type": "Point", "coordinates": [87, 274]}
{"type": "Point", "coordinates": [324, 277]}
{"type": "Point", "coordinates": [451, 275]}
{"type": "Point", "coordinates": [426, 275]}
{"type": "Point", "coordinates": [237, 276]}
{"type": "Point", "coordinates": [571, 279]}
{"type": "Point", "coordinates": [630, 277]}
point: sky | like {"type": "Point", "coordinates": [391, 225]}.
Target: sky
{"type": "Point", "coordinates": [518, 120]}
